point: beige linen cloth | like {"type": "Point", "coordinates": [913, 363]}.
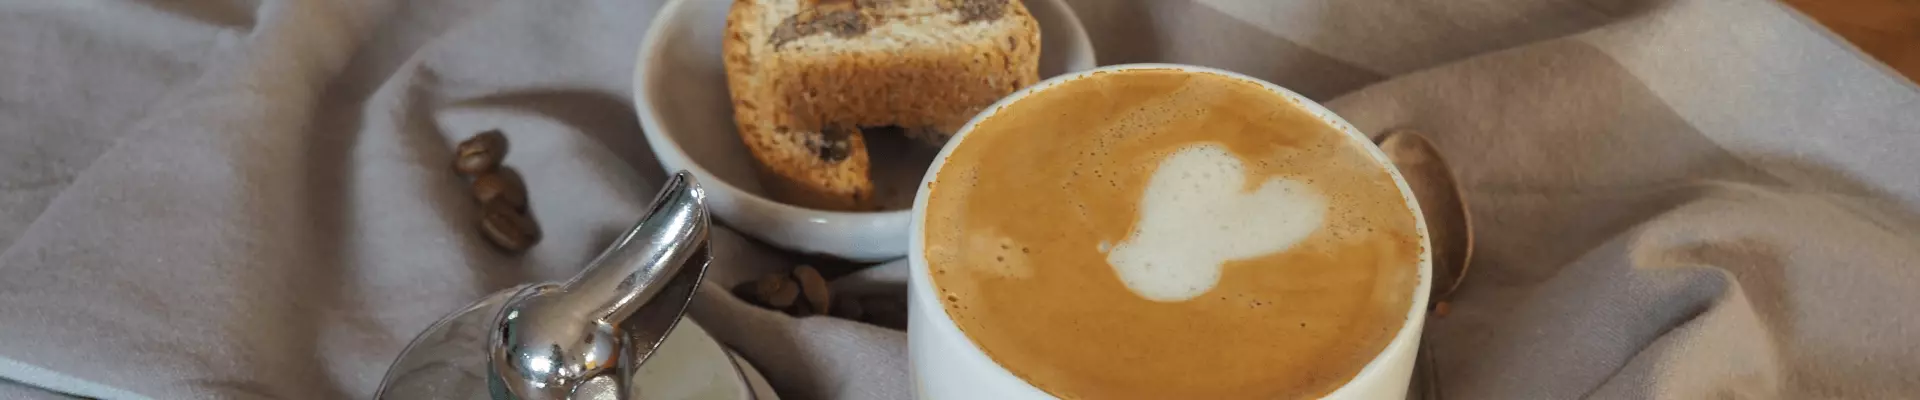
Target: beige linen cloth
{"type": "Point", "coordinates": [1685, 199]}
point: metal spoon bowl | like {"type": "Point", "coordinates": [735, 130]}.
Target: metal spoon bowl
{"type": "Point", "coordinates": [1441, 203]}
{"type": "Point", "coordinates": [1448, 230]}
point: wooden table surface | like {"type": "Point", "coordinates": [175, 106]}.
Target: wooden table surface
{"type": "Point", "coordinates": [1889, 30]}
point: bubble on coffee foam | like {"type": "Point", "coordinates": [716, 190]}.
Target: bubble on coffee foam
{"type": "Point", "coordinates": [1195, 216]}
{"type": "Point", "coordinates": [955, 182]}
{"type": "Point", "coordinates": [940, 255]}
{"type": "Point", "coordinates": [1139, 122]}
{"type": "Point", "coordinates": [997, 255]}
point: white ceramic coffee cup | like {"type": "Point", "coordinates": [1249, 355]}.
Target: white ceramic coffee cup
{"type": "Point", "coordinates": [948, 365]}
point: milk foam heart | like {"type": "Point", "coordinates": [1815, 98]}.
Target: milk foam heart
{"type": "Point", "coordinates": [1197, 215]}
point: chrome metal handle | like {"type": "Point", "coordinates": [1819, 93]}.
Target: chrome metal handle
{"type": "Point", "coordinates": [555, 339]}
{"type": "Point", "coordinates": [636, 266]}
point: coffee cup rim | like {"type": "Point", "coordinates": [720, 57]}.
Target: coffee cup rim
{"type": "Point", "coordinates": [920, 282]}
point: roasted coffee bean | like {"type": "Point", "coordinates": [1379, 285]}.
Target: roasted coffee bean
{"type": "Point", "coordinates": [502, 185]}
{"type": "Point", "coordinates": [480, 153]}
{"type": "Point", "coordinates": [814, 287]}
{"type": "Point", "coordinates": [777, 291]}
{"type": "Point", "coordinates": [507, 227]}
{"type": "Point", "coordinates": [848, 308]}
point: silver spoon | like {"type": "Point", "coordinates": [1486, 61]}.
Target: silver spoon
{"type": "Point", "coordinates": [1448, 229]}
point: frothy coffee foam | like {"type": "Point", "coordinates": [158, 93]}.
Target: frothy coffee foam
{"type": "Point", "coordinates": [1194, 217]}
{"type": "Point", "coordinates": [1070, 242]}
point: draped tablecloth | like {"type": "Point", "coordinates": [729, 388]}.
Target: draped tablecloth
{"type": "Point", "coordinates": [1680, 199]}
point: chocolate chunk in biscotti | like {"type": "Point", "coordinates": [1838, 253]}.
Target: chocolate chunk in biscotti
{"type": "Point", "coordinates": [837, 22]}
{"type": "Point", "coordinates": [831, 144]}
{"type": "Point", "coordinates": [975, 10]}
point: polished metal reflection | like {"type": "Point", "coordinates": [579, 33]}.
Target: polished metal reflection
{"type": "Point", "coordinates": [1448, 229]}
{"type": "Point", "coordinates": [583, 339]}
{"type": "Point", "coordinates": [449, 359]}
{"type": "Point", "coordinates": [557, 338]}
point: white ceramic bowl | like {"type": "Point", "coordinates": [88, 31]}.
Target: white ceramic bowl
{"type": "Point", "coordinates": [680, 93]}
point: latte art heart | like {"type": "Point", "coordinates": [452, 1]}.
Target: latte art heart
{"type": "Point", "coordinates": [1197, 214]}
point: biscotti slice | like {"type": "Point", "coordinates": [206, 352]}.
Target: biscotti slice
{"type": "Point", "coordinates": [807, 77]}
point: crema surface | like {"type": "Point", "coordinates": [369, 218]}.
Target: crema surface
{"type": "Point", "coordinates": [1161, 234]}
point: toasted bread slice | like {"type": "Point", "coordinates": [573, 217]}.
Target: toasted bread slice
{"type": "Point", "coordinates": [806, 76]}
